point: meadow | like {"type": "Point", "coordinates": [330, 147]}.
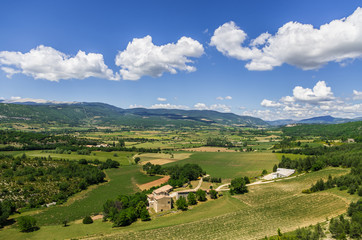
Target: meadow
{"type": "Point", "coordinates": [229, 165]}
{"type": "Point", "coordinates": [124, 158]}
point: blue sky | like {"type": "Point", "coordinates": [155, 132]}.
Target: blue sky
{"type": "Point", "coordinates": [269, 59]}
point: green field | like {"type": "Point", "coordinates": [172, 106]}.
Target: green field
{"type": "Point", "coordinates": [230, 165]}
{"type": "Point", "coordinates": [122, 181]}
{"type": "Point", "coordinates": [124, 158]}
{"type": "Point", "coordinates": [260, 212]}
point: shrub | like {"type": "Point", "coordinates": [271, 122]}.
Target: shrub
{"type": "Point", "coordinates": [87, 220]}
{"type": "Point", "coordinates": [27, 224]}
{"type": "Point", "coordinates": [181, 204]}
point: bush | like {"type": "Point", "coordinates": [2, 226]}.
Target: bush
{"type": "Point", "coordinates": [238, 186]}
{"type": "Point", "coordinates": [191, 198]}
{"type": "Point", "coordinates": [213, 194]}
{"type": "Point", "coordinates": [181, 204]}
{"type": "Point", "coordinates": [201, 195]}
{"type": "Point", "coordinates": [27, 224]}
{"type": "Point", "coordinates": [87, 220]}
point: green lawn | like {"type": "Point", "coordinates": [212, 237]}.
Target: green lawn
{"type": "Point", "coordinates": [230, 165]}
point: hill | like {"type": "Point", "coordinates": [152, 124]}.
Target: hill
{"type": "Point", "coordinates": [101, 114]}
{"type": "Point", "coordinates": [330, 131]}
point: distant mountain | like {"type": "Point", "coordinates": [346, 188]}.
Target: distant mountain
{"type": "Point", "coordinates": [315, 120]}
{"type": "Point", "coordinates": [76, 114]}
{"type": "Point", "coordinates": [325, 119]}
{"type": "Point", "coordinates": [281, 122]}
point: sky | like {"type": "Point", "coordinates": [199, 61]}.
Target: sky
{"type": "Point", "coordinates": [267, 59]}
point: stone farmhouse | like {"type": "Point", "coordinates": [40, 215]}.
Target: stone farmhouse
{"type": "Point", "coordinates": [160, 199]}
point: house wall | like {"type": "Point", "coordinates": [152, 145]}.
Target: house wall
{"type": "Point", "coordinates": [162, 204]}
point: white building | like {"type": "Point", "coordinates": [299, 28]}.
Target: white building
{"type": "Point", "coordinates": [280, 173]}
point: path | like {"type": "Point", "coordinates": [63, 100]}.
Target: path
{"type": "Point", "coordinates": [257, 182]}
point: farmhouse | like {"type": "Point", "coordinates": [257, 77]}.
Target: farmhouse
{"type": "Point", "coordinates": [160, 199]}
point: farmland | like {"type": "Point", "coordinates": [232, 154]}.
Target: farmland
{"type": "Point", "coordinates": [276, 205]}
{"type": "Point", "coordinates": [228, 165]}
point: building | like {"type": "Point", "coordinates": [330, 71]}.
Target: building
{"type": "Point", "coordinates": [160, 199]}
{"type": "Point", "coordinates": [280, 173]}
{"type": "Point", "coordinates": [184, 193]}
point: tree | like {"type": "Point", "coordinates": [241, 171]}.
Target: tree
{"type": "Point", "coordinates": [87, 220]}
{"type": "Point", "coordinates": [264, 172]}
{"type": "Point", "coordinates": [275, 167]}
{"type": "Point", "coordinates": [238, 186]}
{"type": "Point", "coordinates": [181, 204]}
{"type": "Point", "coordinates": [65, 223]}
{"type": "Point", "coordinates": [201, 195]}
{"type": "Point", "coordinates": [191, 198]}
{"type": "Point", "coordinates": [145, 215]}
{"type": "Point", "coordinates": [27, 224]}
{"type": "Point", "coordinates": [213, 194]}
{"type": "Point", "coordinates": [137, 159]}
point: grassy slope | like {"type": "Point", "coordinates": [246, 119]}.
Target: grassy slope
{"type": "Point", "coordinates": [229, 165]}
{"type": "Point", "coordinates": [122, 181]}
{"type": "Point", "coordinates": [254, 215]}
{"type": "Point", "coordinates": [266, 208]}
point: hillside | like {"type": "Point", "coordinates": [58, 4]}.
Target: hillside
{"type": "Point", "coordinates": [77, 114]}
{"type": "Point", "coordinates": [342, 130]}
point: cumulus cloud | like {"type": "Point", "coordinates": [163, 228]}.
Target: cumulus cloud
{"type": "Point", "coordinates": [269, 103]}
{"type": "Point", "coordinates": [357, 95]}
{"type": "Point", "coordinates": [215, 107]}
{"type": "Point", "coordinates": [136, 106]}
{"type": "Point", "coordinates": [320, 92]}
{"type": "Point", "coordinates": [224, 98]}
{"type": "Point", "coordinates": [161, 99]}
{"type": "Point", "coordinates": [47, 63]}
{"type": "Point", "coordinates": [143, 58]}
{"type": "Point", "coordinates": [297, 44]}
{"type": "Point", "coordinates": [306, 103]}
{"type": "Point", "coordinates": [169, 106]}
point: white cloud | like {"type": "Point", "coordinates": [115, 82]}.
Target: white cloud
{"type": "Point", "coordinates": [169, 106]}
{"type": "Point", "coordinates": [268, 103]}
{"type": "Point", "coordinates": [161, 99]}
{"type": "Point", "coordinates": [215, 107]}
{"type": "Point", "coordinates": [295, 43]}
{"type": "Point", "coordinates": [320, 92]}
{"type": "Point", "coordinates": [143, 58]}
{"type": "Point", "coordinates": [224, 98]}
{"type": "Point", "coordinates": [16, 99]}
{"type": "Point", "coordinates": [47, 63]}
{"type": "Point", "coordinates": [306, 103]}
{"type": "Point", "coordinates": [136, 106]}
{"type": "Point", "coordinates": [357, 95]}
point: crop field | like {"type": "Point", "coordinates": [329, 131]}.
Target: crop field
{"type": "Point", "coordinates": [122, 181]}
{"type": "Point", "coordinates": [228, 165]}
{"type": "Point", "coordinates": [124, 158]}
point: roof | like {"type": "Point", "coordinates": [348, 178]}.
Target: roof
{"type": "Point", "coordinates": [166, 188]}
{"type": "Point", "coordinates": [187, 191]}
{"type": "Point", "coordinates": [161, 197]}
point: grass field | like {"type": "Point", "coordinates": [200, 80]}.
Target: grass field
{"type": "Point", "coordinates": [124, 158]}
{"type": "Point", "coordinates": [260, 212]}
{"type": "Point", "coordinates": [232, 164]}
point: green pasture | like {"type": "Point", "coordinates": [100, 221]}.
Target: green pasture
{"type": "Point", "coordinates": [230, 165]}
